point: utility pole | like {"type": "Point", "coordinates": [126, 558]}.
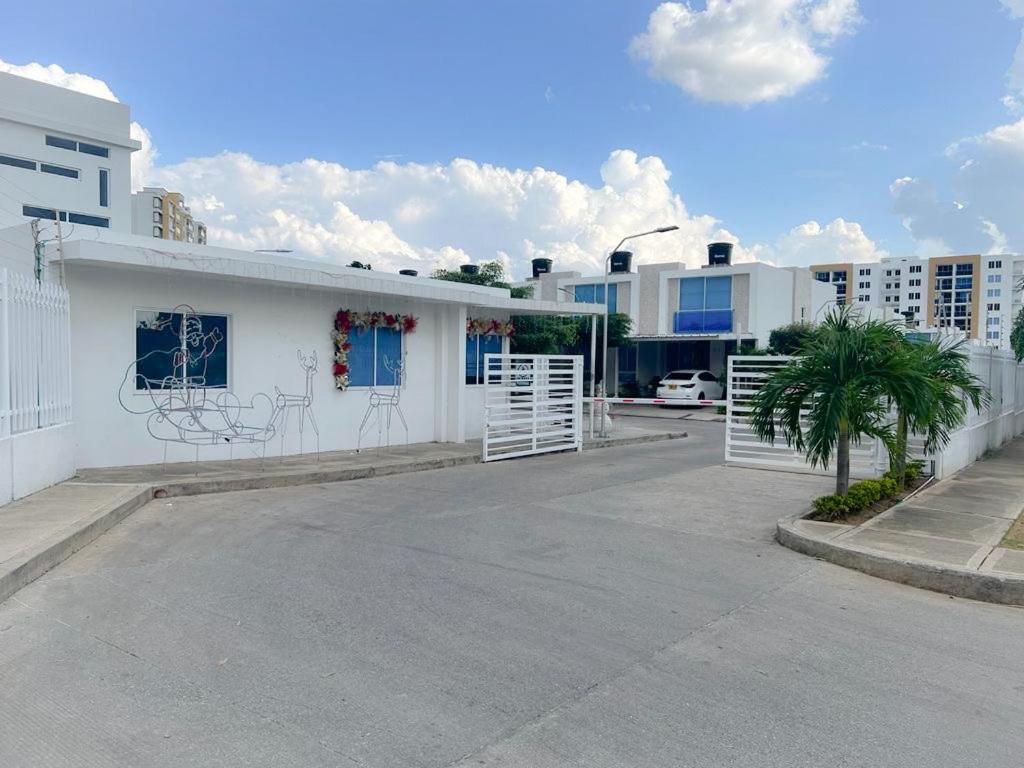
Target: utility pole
{"type": "Point", "coordinates": [37, 250]}
{"type": "Point", "coordinates": [60, 245]}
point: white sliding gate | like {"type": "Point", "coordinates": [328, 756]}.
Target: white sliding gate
{"type": "Point", "coordinates": [532, 404]}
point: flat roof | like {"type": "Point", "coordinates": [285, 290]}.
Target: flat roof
{"type": "Point", "coordinates": [112, 250]}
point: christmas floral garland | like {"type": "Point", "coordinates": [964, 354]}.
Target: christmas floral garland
{"type": "Point", "coordinates": [489, 328]}
{"type": "Point", "coordinates": [345, 320]}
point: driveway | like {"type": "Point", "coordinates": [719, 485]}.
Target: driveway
{"type": "Point", "coordinates": [623, 607]}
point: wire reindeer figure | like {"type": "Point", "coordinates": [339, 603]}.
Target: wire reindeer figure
{"type": "Point", "coordinates": [388, 401]}
{"type": "Point", "coordinates": [302, 403]}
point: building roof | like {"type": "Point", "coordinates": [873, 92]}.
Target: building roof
{"type": "Point", "coordinates": [112, 250]}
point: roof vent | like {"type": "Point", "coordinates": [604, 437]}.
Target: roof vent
{"type": "Point", "coordinates": [408, 272]}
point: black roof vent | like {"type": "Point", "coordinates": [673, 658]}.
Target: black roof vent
{"type": "Point", "coordinates": [408, 272]}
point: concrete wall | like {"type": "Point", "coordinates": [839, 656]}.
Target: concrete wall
{"type": "Point", "coordinates": [267, 324]}
{"type": "Point", "coordinates": [32, 461]}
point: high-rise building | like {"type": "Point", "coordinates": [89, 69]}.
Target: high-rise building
{"type": "Point", "coordinates": [159, 213]}
{"type": "Point", "coordinates": [973, 294]}
{"type": "Point", "coordinates": [63, 155]}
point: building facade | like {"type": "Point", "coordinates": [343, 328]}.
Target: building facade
{"type": "Point", "coordinates": [159, 213]}
{"type": "Point", "coordinates": [684, 317]}
{"type": "Point", "coordinates": [63, 155]}
{"type": "Point", "coordinates": [971, 294]}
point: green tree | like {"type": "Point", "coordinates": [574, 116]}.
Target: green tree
{"type": "Point", "coordinates": [787, 339]}
{"type": "Point", "coordinates": [1017, 336]}
{"type": "Point", "coordinates": [490, 274]}
{"type": "Point", "coordinates": [846, 375]}
{"type": "Point", "coordinates": [544, 335]}
{"type": "Point", "coordinates": [942, 406]}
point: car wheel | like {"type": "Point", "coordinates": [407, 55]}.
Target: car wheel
{"type": "Point", "coordinates": [700, 395]}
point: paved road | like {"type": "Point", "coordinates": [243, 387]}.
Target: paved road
{"type": "Point", "coordinates": [626, 607]}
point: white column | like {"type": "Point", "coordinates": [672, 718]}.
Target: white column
{"type": "Point", "coordinates": [449, 376]}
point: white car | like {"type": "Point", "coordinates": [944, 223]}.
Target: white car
{"type": "Point", "coordinates": [689, 385]}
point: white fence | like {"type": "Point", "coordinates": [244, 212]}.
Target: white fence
{"type": "Point", "coordinates": [35, 376]}
{"type": "Point", "coordinates": [532, 404]}
{"type": "Point", "coordinates": [35, 386]}
{"type": "Point", "coordinates": [983, 430]}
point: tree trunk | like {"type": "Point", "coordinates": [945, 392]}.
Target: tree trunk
{"type": "Point", "coordinates": [843, 462]}
{"type": "Point", "coordinates": [899, 459]}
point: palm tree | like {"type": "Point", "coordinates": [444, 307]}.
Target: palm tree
{"type": "Point", "coordinates": [943, 408]}
{"type": "Point", "coordinates": [841, 384]}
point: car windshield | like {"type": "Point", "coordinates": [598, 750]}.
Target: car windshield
{"type": "Point", "coordinates": [680, 376]}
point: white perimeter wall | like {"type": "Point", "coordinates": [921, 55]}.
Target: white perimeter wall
{"type": "Point", "coordinates": [35, 460]}
{"type": "Point", "coordinates": [268, 323]}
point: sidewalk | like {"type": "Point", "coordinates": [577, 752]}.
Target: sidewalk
{"type": "Point", "coordinates": [944, 538]}
{"type": "Point", "coordinates": [44, 529]}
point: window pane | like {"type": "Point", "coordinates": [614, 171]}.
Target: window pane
{"type": "Point", "coordinates": [718, 320]}
{"type": "Point", "coordinates": [92, 149]}
{"type": "Point", "coordinates": [472, 355]}
{"type": "Point", "coordinates": [17, 162]}
{"type": "Point", "coordinates": [360, 357]}
{"type": "Point", "coordinates": [58, 170]}
{"type": "Point", "coordinates": [585, 293]}
{"type": "Point", "coordinates": [489, 345]}
{"type": "Point", "coordinates": [57, 141]}
{"type": "Point", "coordinates": [689, 321]}
{"type": "Point", "coordinates": [613, 298]}
{"type": "Point", "coordinates": [158, 340]}
{"type": "Point", "coordinates": [389, 353]}
{"type": "Point", "coordinates": [104, 188]}
{"type": "Point", "coordinates": [92, 221]}
{"type": "Point", "coordinates": [691, 293]}
{"type": "Point", "coordinates": [719, 293]}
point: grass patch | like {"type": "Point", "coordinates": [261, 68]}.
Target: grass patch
{"type": "Point", "coordinates": [1014, 538]}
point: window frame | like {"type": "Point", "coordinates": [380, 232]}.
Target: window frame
{"type": "Point", "coordinates": [104, 180]}
{"type": "Point", "coordinates": [481, 377]}
{"type": "Point", "coordinates": [13, 161]}
{"type": "Point", "coordinates": [402, 352]}
{"type": "Point", "coordinates": [229, 363]}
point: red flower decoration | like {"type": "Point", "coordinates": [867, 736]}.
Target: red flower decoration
{"type": "Point", "coordinates": [340, 369]}
{"type": "Point", "coordinates": [409, 324]}
{"type": "Point", "coordinates": [347, 346]}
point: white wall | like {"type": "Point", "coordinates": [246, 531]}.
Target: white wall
{"type": "Point", "coordinates": [32, 461]}
{"type": "Point", "coordinates": [268, 323]}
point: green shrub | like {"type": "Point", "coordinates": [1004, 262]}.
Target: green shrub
{"type": "Point", "coordinates": [888, 486]}
{"type": "Point", "coordinates": [863, 494]}
{"type": "Point", "coordinates": [831, 507]}
{"type": "Point", "coordinates": [914, 469]}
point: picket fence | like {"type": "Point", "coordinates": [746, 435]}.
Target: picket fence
{"type": "Point", "coordinates": [983, 430]}
{"type": "Point", "coordinates": [35, 348]}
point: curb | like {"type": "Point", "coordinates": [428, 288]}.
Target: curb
{"type": "Point", "coordinates": [924, 574]}
{"type": "Point", "coordinates": [41, 557]}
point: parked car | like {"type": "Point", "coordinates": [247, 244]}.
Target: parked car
{"type": "Point", "coordinates": [689, 385]}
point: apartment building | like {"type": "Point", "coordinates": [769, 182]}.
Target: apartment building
{"type": "Point", "coordinates": [63, 155]}
{"type": "Point", "coordinates": [972, 294]}
{"type": "Point", "coordinates": [687, 317]}
{"type": "Point", "coordinates": [157, 212]}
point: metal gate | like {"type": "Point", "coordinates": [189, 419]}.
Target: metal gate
{"type": "Point", "coordinates": [532, 404]}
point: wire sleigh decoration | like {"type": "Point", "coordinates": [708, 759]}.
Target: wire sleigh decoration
{"type": "Point", "coordinates": [180, 408]}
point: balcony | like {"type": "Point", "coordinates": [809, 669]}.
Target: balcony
{"type": "Point", "coordinates": [702, 321]}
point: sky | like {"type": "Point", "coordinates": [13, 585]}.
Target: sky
{"type": "Point", "coordinates": [413, 134]}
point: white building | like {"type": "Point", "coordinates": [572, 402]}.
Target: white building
{"type": "Point", "coordinates": [972, 294]}
{"type": "Point", "coordinates": [159, 213]}
{"type": "Point", "coordinates": [686, 317]}
{"type": "Point", "coordinates": [266, 308]}
{"type": "Point", "coordinates": [63, 151]}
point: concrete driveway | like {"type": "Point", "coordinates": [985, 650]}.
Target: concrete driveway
{"type": "Point", "coordinates": [626, 607]}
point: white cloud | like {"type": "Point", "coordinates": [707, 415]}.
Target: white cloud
{"type": "Point", "coordinates": [425, 215]}
{"type": "Point", "coordinates": [867, 145]}
{"type": "Point", "coordinates": [811, 243]}
{"type": "Point", "coordinates": [1014, 7]}
{"type": "Point", "coordinates": [743, 51]}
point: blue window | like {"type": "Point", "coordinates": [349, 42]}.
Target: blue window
{"type": "Point", "coordinates": [965, 269]}
{"type": "Point", "coordinates": [705, 305]}
{"type": "Point", "coordinates": [104, 188]}
{"type": "Point", "coordinates": [57, 141]}
{"type": "Point", "coordinates": [17, 162]}
{"type": "Point", "coordinates": [92, 149]}
{"type": "Point", "coordinates": [158, 350]}
{"type": "Point", "coordinates": [964, 282]}
{"type": "Point", "coordinates": [58, 170]}
{"type": "Point", "coordinates": [593, 293]}
{"type": "Point", "coordinates": [42, 213]}
{"type": "Point", "coordinates": [92, 221]}
{"type": "Point", "coordinates": [477, 346]}
{"type": "Point", "coordinates": [944, 270]}
{"type": "Point", "coordinates": [375, 353]}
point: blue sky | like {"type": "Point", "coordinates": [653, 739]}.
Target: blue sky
{"type": "Point", "coordinates": [524, 84]}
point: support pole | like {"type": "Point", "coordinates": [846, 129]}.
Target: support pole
{"type": "Point", "coordinates": [593, 369]}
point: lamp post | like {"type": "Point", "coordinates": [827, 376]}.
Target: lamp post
{"type": "Point", "coordinates": [604, 351]}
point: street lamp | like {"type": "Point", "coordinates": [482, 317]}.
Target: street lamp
{"type": "Point", "coordinates": [604, 351]}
